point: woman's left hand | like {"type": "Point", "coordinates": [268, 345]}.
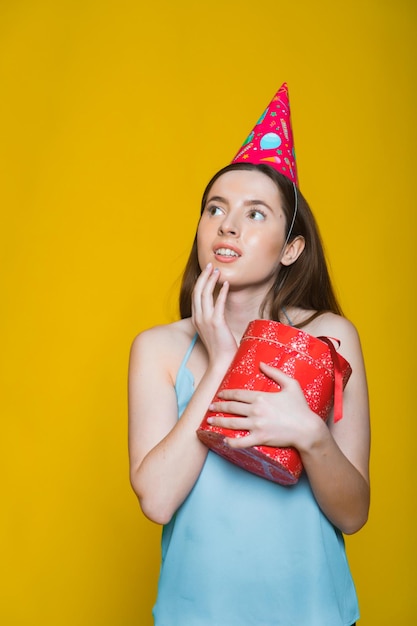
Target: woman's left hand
{"type": "Point", "coordinates": [278, 419]}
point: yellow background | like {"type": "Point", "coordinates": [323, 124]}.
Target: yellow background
{"type": "Point", "coordinates": [113, 115]}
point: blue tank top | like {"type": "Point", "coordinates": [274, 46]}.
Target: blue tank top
{"type": "Point", "coordinates": [243, 551]}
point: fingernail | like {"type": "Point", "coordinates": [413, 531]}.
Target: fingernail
{"type": "Point", "coordinates": [210, 419]}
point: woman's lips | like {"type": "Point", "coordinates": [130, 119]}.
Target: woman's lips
{"type": "Point", "coordinates": [227, 254]}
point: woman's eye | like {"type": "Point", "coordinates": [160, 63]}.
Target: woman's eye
{"type": "Point", "coordinates": [256, 214]}
{"type": "Point", "coordinates": [214, 210]}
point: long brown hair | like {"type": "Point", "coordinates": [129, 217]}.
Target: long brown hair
{"type": "Point", "coordinates": [306, 283]}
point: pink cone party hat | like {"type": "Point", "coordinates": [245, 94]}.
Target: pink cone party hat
{"type": "Point", "coordinates": [271, 141]}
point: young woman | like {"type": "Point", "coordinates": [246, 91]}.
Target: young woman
{"type": "Point", "coordinates": [238, 549]}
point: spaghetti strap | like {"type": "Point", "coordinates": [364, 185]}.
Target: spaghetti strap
{"type": "Point", "coordinates": [184, 383]}
{"type": "Point", "coordinates": [188, 353]}
{"type": "Point", "coordinates": [286, 315]}
{"type": "Point", "coordinates": [190, 349]}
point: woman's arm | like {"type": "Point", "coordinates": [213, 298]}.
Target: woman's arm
{"type": "Point", "coordinates": [335, 456]}
{"type": "Point", "coordinates": [166, 456]}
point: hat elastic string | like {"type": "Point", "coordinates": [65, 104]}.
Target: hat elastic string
{"type": "Point", "coordinates": [293, 219]}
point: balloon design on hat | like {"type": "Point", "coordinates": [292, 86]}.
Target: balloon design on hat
{"type": "Point", "coordinates": [271, 141]}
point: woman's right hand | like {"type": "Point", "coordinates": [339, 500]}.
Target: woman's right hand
{"type": "Point", "coordinates": [208, 315]}
{"type": "Point", "coordinates": [166, 456]}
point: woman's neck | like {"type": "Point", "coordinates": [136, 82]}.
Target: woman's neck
{"type": "Point", "coordinates": [241, 308]}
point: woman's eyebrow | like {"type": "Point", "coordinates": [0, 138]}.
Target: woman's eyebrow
{"type": "Point", "coordinates": [217, 199]}
{"type": "Point", "coordinates": [255, 202]}
{"type": "Point", "coordinates": [246, 203]}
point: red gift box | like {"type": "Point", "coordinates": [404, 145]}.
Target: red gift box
{"type": "Point", "coordinates": [313, 361]}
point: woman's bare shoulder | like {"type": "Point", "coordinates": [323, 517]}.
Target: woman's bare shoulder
{"type": "Point", "coordinates": [328, 323]}
{"type": "Point", "coordinates": [182, 329]}
{"type": "Point", "coordinates": [166, 343]}
{"type": "Point", "coordinates": [339, 328]}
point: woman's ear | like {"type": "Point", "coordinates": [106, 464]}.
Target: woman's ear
{"type": "Point", "coordinates": [293, 250]}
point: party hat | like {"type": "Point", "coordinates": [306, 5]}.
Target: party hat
{"type": "Point", "coordinates": [271, 140]}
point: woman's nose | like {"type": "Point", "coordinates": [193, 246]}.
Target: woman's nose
{"type": "Point", "coordinates": [228, 227]}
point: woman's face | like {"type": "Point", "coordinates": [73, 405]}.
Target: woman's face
{"type": "Point", "coordinates": [242, 229]}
